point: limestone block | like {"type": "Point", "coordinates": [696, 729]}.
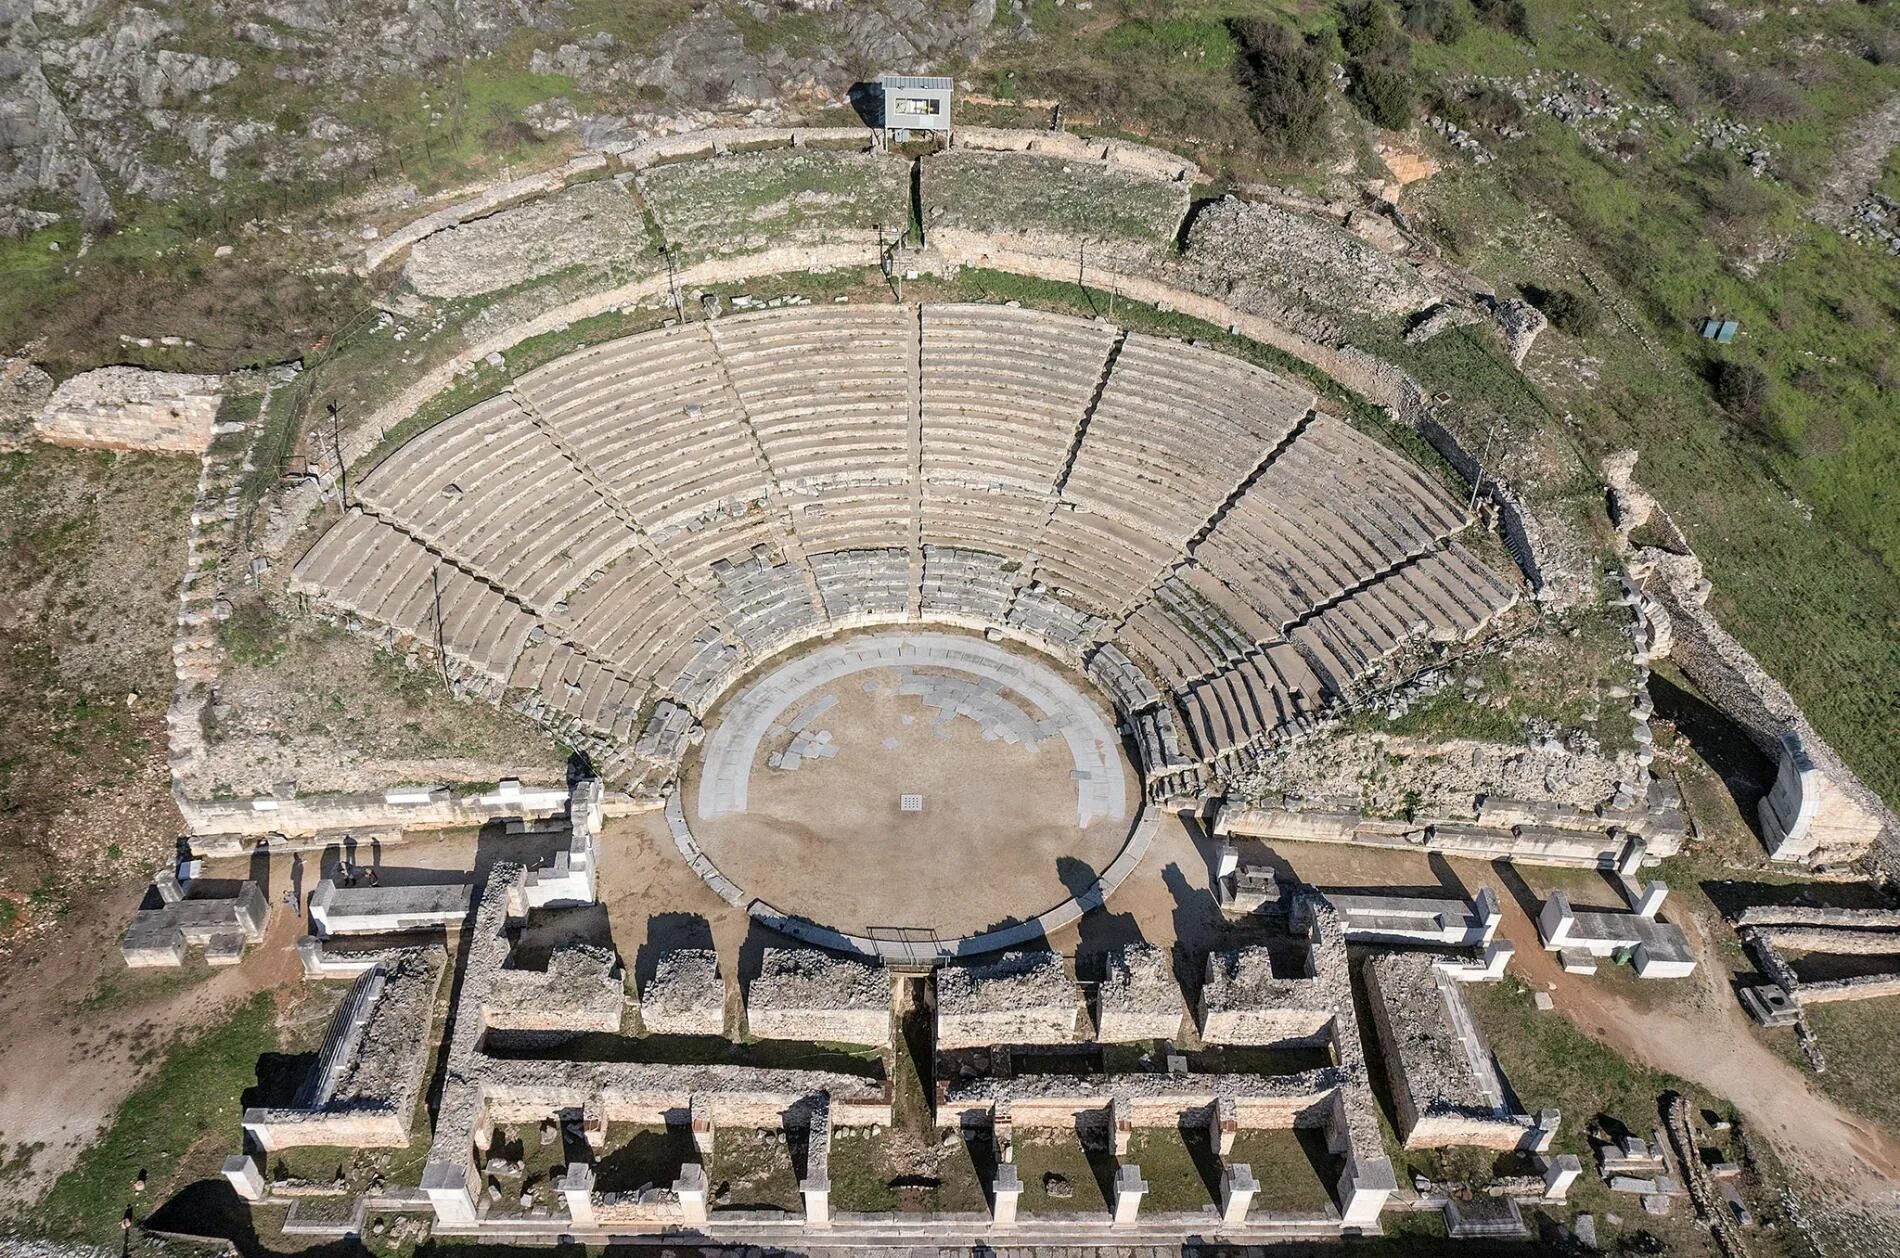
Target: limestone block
{"type": "Point", "coordinates": [1130, 1188]}
{"type": "Point", "coordinates": [129, 408]}
{"type": "Point", "coordinates": [1005, 1191]}
{"type": "Point", "coordinates": [1237, 1188]}
{"type": "Point", "coordinates": [243, 1174]}
{"type": "Point", "coordinates": [693, 1192]}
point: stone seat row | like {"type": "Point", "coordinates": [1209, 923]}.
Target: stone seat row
{"type": "Point", "coordinates": [1193, 626]}
{"type": "Point", "coordinates": [662, 429]}
{"type": "Point", "coordinates": [766, 601]}
{"type": "Point", "coordinates": [857, 584]}
{"type": "Point", "coordinates": [1251, 700]}
{"type": "Point", "coordinates": [1445, 596]}
{"type": "Point", "coordinates": [634, 614]}
{"type": "Point", "coordinates": [1005, 390]}
{"type": "Point", "coordinates": [369, 567]}
{"type": "Point", "coordinates": [1177, 430]}
{"type": "Point", "coordinates": [1001, 522]}
{"type": "Point", "coordinates": [502, 499]}
{"type": "Point", "coordinates": [971, 583]}
{"type": "Point", "coordinates": [575, 685]}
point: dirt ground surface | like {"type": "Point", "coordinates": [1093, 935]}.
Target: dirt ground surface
{"type": "Point", "coordinates": [996, 841]}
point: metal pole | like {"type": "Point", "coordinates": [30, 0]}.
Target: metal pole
{"type": "Point", "coordinates": [336, 447]}
{"type": "Point", "coordinates": [441, 651]}
{"type": "Point", "coordinates": [1477, 481]}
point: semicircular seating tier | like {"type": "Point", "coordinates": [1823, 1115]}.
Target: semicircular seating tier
{"type": "Point", "coordinates": [610, 543]}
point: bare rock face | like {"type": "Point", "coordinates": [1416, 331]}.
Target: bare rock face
{"type": "Point", "coordinates": [129, 408]}
{"type": "Point", "coordinates": [24, 389]}
{"type": "Point", "coordinates": [1520, 322]}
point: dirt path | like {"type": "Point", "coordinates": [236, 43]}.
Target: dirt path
{"type": "Point", "coordinates": [66, 1068]}
{"type": "Point", "coordinates": [1858, 166]}
{"type": "Point", "coordinates": [1716, 1048]}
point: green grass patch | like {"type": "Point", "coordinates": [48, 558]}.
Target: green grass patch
{"type": "Point", "coordinates": [195, 1096]}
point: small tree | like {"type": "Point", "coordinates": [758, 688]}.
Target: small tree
{"type": "Point", "coordinates": [1367, 29]}
{"type": "Point", "coordinates": [1441, 21]}
{"type": "Point", "coordinates": [1575, 314]}
{"type": "Point", "coordinates": [1285, 78]}
{"type": "Point", "coordinates": [1507, 15]}
{"type": "Point", "coordinates": [1383, 91]}
{"type": "Point", "coordinates": [1741, 389]}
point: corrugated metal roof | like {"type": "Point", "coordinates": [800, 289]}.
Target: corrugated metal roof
{"type": "Point", "coordinates": [916, 82]}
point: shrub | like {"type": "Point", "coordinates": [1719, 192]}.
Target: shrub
{"type": "Point", "coordinates": [1741, 389]}
{"type": "Point", "coordinates": [1383, 92]}
{"type": "Point", "coordinates": [1758, 95]}
{"type": "Point", "coordinates": [1441, 21]}
{"type": "Point", "coordinates": [1717, 17]}
{"type": "Point", "coordinates": [1285, 79]}
{"type": "Point", "coordinates": [1575, 314]}
{"type": "Point", "coordinates": [1509, 16]}
{"type": "Point", "coordinates": [1367, 29]}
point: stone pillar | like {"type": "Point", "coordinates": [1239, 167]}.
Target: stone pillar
{"type": "Point", "coordinates": [1003, 1133]}
{"type": "Point", "coordinates": [1654, 893]}
{"type": "Point", "coordinates": [170, 890]}
{"type": "Point", "coordinates": [594, 1122]}
{"type": "Point", "coordinates": [1226, 859]}
{"type": "Point", "coordinates": [1555, 921]}
{"type": "Point", "coordinates": [1497, 955]}
{"type": "Point", "coordinates": [1121, 1124]}
{"type": "Point", "coordinates": [450, 1187]}
{"type": "Point", "coordinates": [702, 1122]}
{"type": "Point", "coordinates": [1559, 1173]}
{"type": "Point", "coordinates": [817, 1194]}
{"type": "Point", "coordinates": [1363, 1188]}
{"type": "Point", "coordinates": [692, 1190]}
{"type": "Point", "coordinates": [483, 1133]}
{"type": "Point", "coordinates": [1237, 1187]}
{"type": "Point", "coordinates": [1490, 913]}
{"type": "Point", "coordinates": [1130, 1187]}
{"type": "Point", "coordinates": [243, 1174]}
{"type": "Point", "coordinates": [1006, 1189]}
{"type": "Point", "coordinates": [1632, 858]}
{"type": "Point", "coordinates": [577, 1189]}
{"type": "Point", "coordinates": [1545, 1130]}
{"type": "Point", "coordinates": [1223, 1121]}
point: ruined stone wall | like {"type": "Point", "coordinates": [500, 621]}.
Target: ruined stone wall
{"type": "Point", "coordinates": [1436, 1097]}
{"type": "Point", "coordinates": [808, 994]}
{"type": "Point", "coordinates": [1139, 999]}
{"type": "Point", "coordinates": [1262, 1102]}
{"type": "Point", "coordinates": [1243, 1002]}
{"type": "Point", "coordinates": [581, 990]}
{"type": "Point", "coordinates": [1848, 818]}
{"type": "Point", "coordinates": [227, 827]}
{"type": "Point", "coordinates": [129, 408]}
{"type": "Point", "coordinates": [1024, 999]}
{"type": "Point", "coordinates": [273, 1129]}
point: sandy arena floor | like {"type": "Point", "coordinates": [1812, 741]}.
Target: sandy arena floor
{"type": "Point", "coordinates": [997, 839]}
